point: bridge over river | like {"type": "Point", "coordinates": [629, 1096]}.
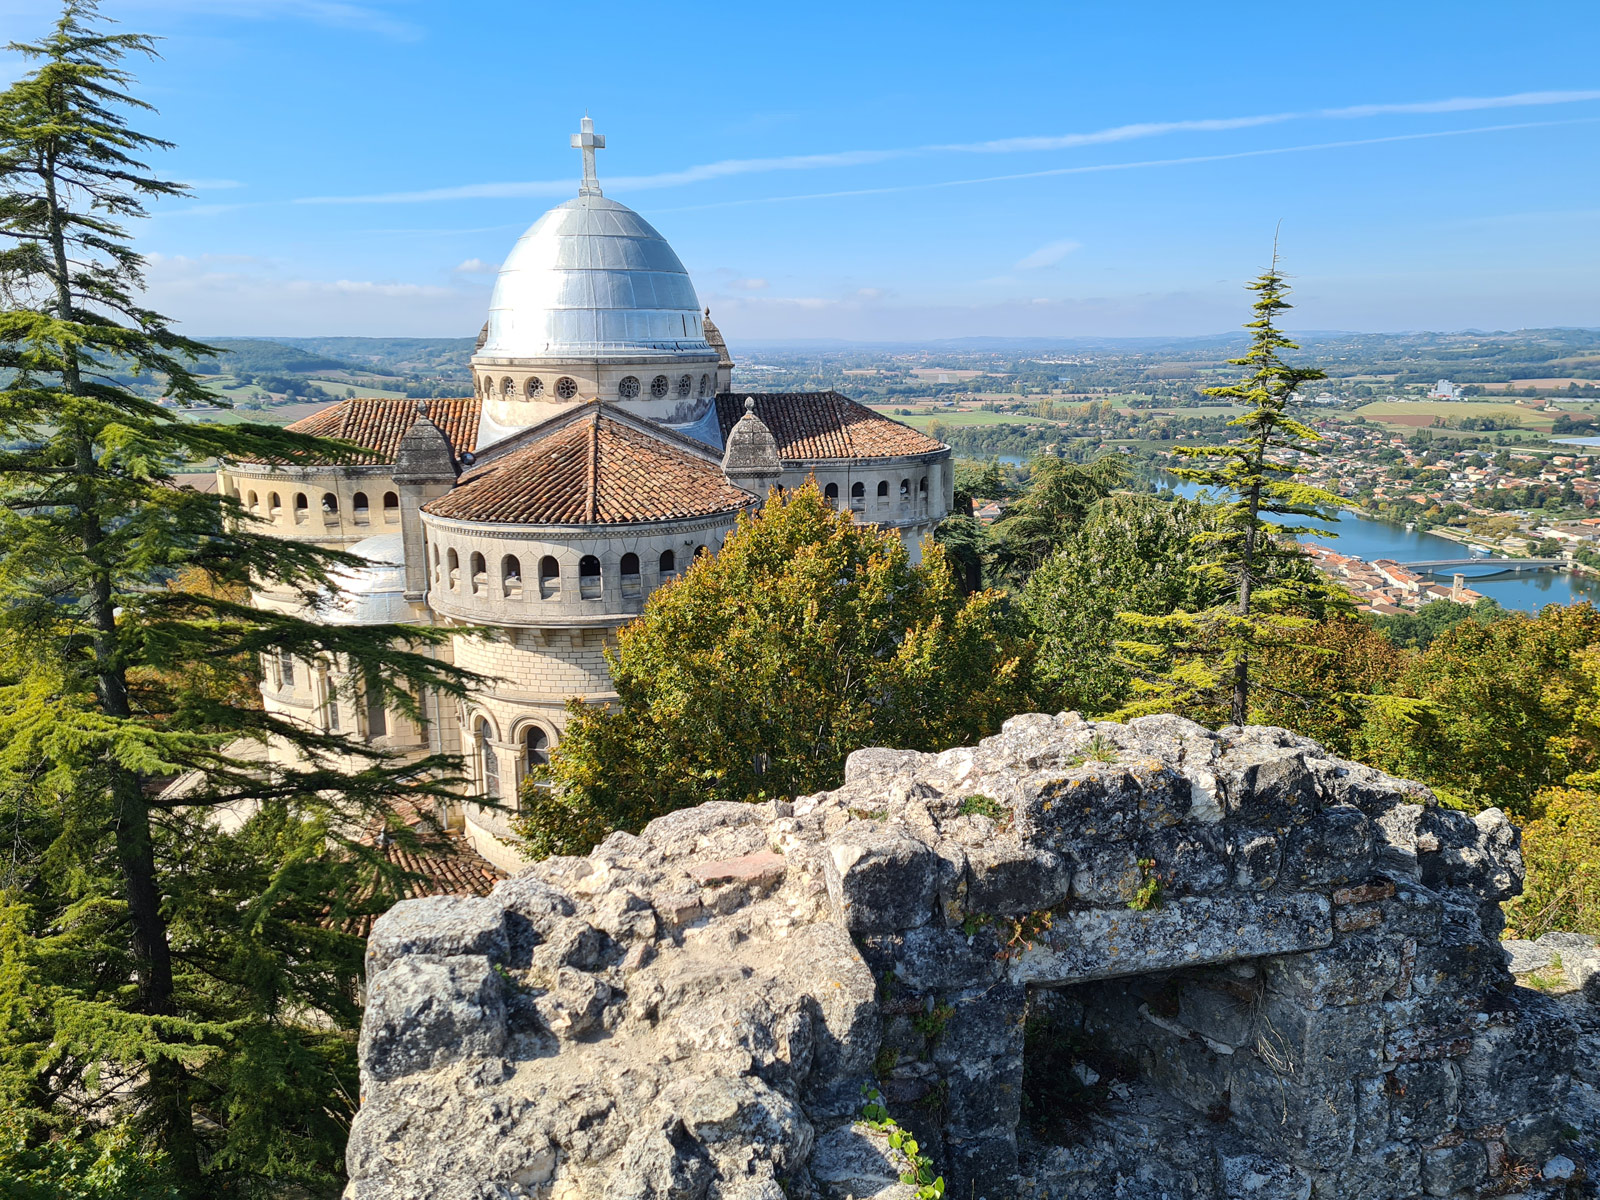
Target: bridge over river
{"type": "Point", "coordinates": [1498, 566]}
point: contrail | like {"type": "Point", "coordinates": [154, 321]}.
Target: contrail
{"type": "Point", "coordinates": [728, 168]}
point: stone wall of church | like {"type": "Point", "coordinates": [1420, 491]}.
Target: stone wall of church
{"type": "Point", "coordinates": [491, 574]}
{"type": "Point", "coordinates": [333, 506]}
{"type": "Point", "coordinates": [672, 389]}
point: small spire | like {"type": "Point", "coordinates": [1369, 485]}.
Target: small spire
{"type": "Point", "coordinates": [749, 404]}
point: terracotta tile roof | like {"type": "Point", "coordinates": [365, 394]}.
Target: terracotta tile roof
{"type": "Point", "coordinates": [444, 862]}
{"type": "Point", "coordinates": [380, 424]}
{"type": "Point", "coordinates": [594, 471]}
{"type": "Point", "coordinates": [824, 425]}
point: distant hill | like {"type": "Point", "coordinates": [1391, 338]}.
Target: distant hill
{"type": "Point", "coordinates": [256, 356]}
{"type": "Point", "coordinates": [393, 356]}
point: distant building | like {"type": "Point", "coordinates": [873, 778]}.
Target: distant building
{"type": "Point", "coordinates": [1444, 390]}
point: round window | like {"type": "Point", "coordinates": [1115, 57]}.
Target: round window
{"type": "Point", "coordinates": [628, 388]}
{"type": "Point", "coordinates": [566, 388]}
{"type": "Point", "coordinates": [685, 384]}
{"type": "Point", "coordinates": [659, 386]}
{"type": "Point", "coordinates": [535, 387]}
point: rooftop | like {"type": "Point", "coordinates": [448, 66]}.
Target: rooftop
{"type": "Point", "coordinates": [593, 470]}
{"type": "Point", "coordinates": [824, 425]}
{"type": "Point", "coordinates": [380, 424]}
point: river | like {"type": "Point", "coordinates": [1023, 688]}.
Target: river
{"type": "Point", "coordinates": [1365, 538]}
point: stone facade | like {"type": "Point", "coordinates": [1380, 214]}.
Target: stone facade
{"type": "Point", "coordinates": [1080, 960]}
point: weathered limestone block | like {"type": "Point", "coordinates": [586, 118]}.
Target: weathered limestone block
{"type": "Point", "coordinates": [1187, 932]}
{"type": "Point", "coordinates": [1274, 975]}
{"type": "Point", "coordinates": [441, 925]}
{"type": "Point", "coordinates": [880, 879]}
{"type": "Point", "coordinates": [424, 1013]}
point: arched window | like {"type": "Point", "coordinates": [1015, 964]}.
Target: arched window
{"type": "Point", "coordinates": [251, 502]}
{"type": "Point", "coordinates": [883, 489]}
{"type": "Point", "coordinates": [391, 508]}
{"type": "Point", "coordinates": [858, 495]}
{"type": "Point", "coordinates": [285, 669]}
{"type": "Point", "coordinates": [488, 761]}
{"type": "Point", "coordinates": [668, 565]}
{"type": "Point", "coordinates": [628, 389]}
{"type": "Point", "coordinates": [302, 507]}
{"type": "Point", "coordinates": [359, 508]}
{"type": "Point", "coordinates": [508, 386]}
{"type": "Point", "coordinates": [511, 577]}
{"type": "Point", "coordinates": [685, 386]}
{"type": "Point", "coordinates": [589, 577]}
{"type": "Point", "coordinates": [377, 715]}
{"type": "Point", "coordinates": [549, 577]}
{"type": "Point", "coordinates": [905, 490]}
{"type": "Point", "coordinates": [330, 506]}
{"type": "Point", "coordinates": [923, 487]}
{"type": "Point", "coordinates": [705, 385]}
{"type": "Point", "coordinates": [274, 506]}
{"type": "Point", "coordinates": [699, 551]}
{"type": "Point", "coordinates": [480, 574]}
{"type": "Point", "coordinates": [630, 575]}
{"type": "Point", "coordinates": [453, 561]}
{"type": "Point", "coordinates": [831, 492]}
{"type": "Point", "coordinates": [535, 749]}
{"type": "Point", "coordinates": [436, 562]}
{"type": "Point", "coordinates": [659, 386]}
{"type": "Point", "coordinates": [535, 386]}
{"type": "Point", "coordinates": [488, 387]}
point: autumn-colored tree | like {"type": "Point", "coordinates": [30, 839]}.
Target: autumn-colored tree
{"type": "Point", "coordinates": [807, 636]}
{"type": "Point", "coordinates": [1325, 686]}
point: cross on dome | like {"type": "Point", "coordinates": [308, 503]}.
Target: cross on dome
{"type": "Point", "coordinates": [589, 141]}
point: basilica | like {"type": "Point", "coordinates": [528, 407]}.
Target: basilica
{"type": "Point", "coordinates": [605, 447]}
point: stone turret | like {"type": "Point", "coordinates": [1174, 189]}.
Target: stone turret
{"type": "Point", "coordinates": [724, 359]}
{"type": "Point", "coordinates": [424, 469]}
{"type": "Point", "coordinates": [751, 457]}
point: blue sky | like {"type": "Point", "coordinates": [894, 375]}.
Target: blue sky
{"type": "Point", "coordinates": [882, 171]}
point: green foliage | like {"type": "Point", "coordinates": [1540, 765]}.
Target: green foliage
{"type": "Point", "coordinates": [1098, 750]}
{"type": "Point", "coordinates": [1494, 713]}
{"type": "Point", "coordinates": [1059, 498]}
{"type": "Point", "coordinates": [1212, 656]}
{"type": "Point", "coordinates": [1327, 687]}
{"type": "Point", "coordinates": [984, 806]}
{"type": "Point", "coordinates": [110, 1165]}
{"type": "Point", "coordinates": [930, 1022]}
{"type": "Point", "coordinates": [1561, 848]}
{"type": "Point", "coordinates": [1148, 894]}
{"type": "Point", "coordinates": [1416, 630]}
{"type": "Point", "coordinates": [178, 992]}
{"type": "Point", "coordinates": [1132, 554]}
{"type": "Point", "coordinates": [917, 1166]}
{"type": "Point", "coordinates": [806, 637]}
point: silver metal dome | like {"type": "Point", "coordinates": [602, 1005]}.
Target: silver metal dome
{"type": "Point", "coordinates": [593, 279]}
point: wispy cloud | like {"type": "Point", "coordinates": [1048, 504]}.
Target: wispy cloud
{"type": "Point", "coordinates": [1142, 164]}
{"type": "Point", "coordinates": [338, 14]}
{"type": "Point", "coordinates": [728, 168]}
{"type": "Point", "coordinates": [476, 266]}
{"type": "Point", "coordinates": [748, 285]}
{"type": "Point", "coordinates": [1047, 255]}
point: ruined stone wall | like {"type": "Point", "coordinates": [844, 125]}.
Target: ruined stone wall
{"type": "Point", "coordinates": [1268, 973]}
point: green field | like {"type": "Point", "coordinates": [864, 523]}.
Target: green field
{"type": "Point", "coordinates": [1421, 413]}
{"type": "Point", "coordinates": [922, 420]}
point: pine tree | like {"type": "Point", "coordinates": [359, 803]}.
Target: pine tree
{"type": "Point", "coordinates": [146, 953]}
{"type": "Point", "coordinates": [1211, 658]}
